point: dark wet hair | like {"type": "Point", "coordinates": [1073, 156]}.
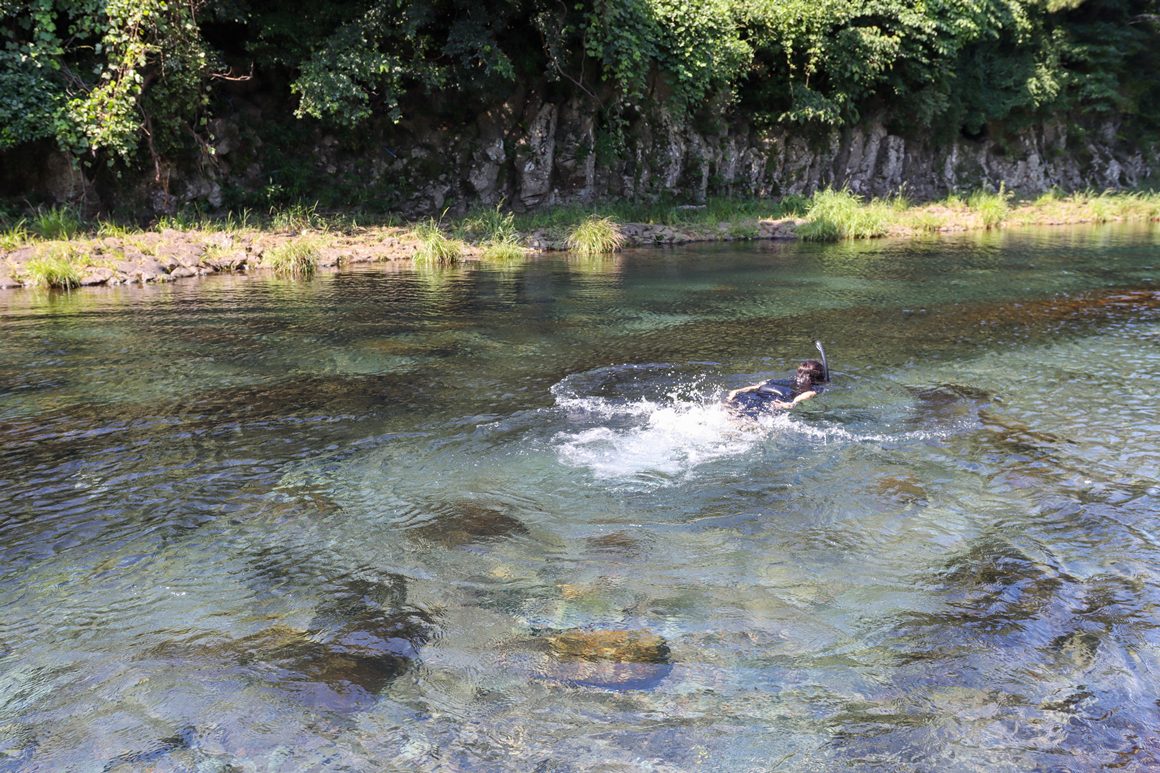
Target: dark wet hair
{"type": "Point", "coordinates": [809, 373]}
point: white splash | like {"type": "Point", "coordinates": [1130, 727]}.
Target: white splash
{"type": "Point", "coordinates": [645, 439]}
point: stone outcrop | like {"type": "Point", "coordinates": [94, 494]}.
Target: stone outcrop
{"type": "Point", "coordinates": [871, 161]}
{"type": "Point", "coordinates": [541, 149]}
{"type": "Point", "coordinates": [541, 153]}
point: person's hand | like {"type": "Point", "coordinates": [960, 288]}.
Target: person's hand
{"type": "Point", "coordinates": [803, 396]}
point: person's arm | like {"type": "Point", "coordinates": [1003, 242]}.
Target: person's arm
{"type": "Point", "coordinates": [803, 396]}
{"type": "Point", "coordinates": [751, 388]}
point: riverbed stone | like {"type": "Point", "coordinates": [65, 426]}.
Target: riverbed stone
{"type": "Point", "coordinates": [460, 525]}
{"type": "Point", "coordinates": [97, 275]}
{"type": "Point", "coordinates": [153, 267]}
{"type": "Point", "coordinates": [355, 660]}
{"type": "Point", "coordinates": [182, 272]}
{"type": "Point", "coordinates": [606, 659]}
{"type": "Point", "coordinates": [7, 282]}
{"type": "Point", "coordinates": [610, 646]}
{"type": "Point", "coordinates": [615, 544]}
{"type": "Point", "coordinates": [182, 253]}
{"type": "Point", "coordinates": [21, 256]}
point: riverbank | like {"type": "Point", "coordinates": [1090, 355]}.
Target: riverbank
{"type": "Point", "coordinates": [56, 249]}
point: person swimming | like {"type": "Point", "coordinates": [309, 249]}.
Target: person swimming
{"type": "Point", "coordinates": [807, 383]}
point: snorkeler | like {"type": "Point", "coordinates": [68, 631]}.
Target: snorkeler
{"type": "Point", "coordinates": [807, 382]}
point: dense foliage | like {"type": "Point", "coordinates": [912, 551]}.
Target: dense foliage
{"type": "Point", "coordinates": [114, 78]}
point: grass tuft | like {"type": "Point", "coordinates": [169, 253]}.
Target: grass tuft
{"type": "Point", "coordinates": [503, 251]}
{"type": "Point", "coordinates": [436, 245]}
{"type": "Point", "coordinates": [595, 236]}
{"type": "Point", "coordinates": [842, 215]}
{"type": "Point", "coordinates": [297, 217]}
{"type": "Point", "coordinates": [56, 267]}
{"type": "Point", "coordinates": [295, 258]}
{"type": "Point", "coordinates": [744, 231]}
{"type": "Point", "coordinates": [56, 224]}
{"type": "Point", "coordinates": [499, 238]}
{"type": "Point", "coordinates": [15, 236]}
{"type": "Point", "coordinates": [927, 221]}
{"type": "Point", "coordinates": [993, 208]}
{"type": "Point", "coordinates": [115, 229]}
{"type": "Point", "coordinates": [1049, 197]}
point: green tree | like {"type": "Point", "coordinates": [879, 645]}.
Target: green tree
{"type": "Point", "coordinates": [99, 75]}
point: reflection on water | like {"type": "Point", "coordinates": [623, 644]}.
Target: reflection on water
{"type": "Point", "coordinates": [495, 518]}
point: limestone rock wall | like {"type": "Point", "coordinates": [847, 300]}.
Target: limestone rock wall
{"type": "Point", "coordinates": [531, 152]}
{"type": "Point", "coordinates": [549, 155]}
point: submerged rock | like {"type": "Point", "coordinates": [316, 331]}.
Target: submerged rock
{"type": "Point", "coordinates": [947, 405]}
{"type": "Point", "coordinates": [365, 655]}
{"type": "Point", "coordinates": [610, 660]}
{"type": "Point", "coordinates": [361, 639]}
{"type": "Point", "coordinates": [356, 660]}
{"type": "Point", "coordinates": [618, 646]}
{"type": "Point", "coordinates": [468, 524]}
{"type": "Point", "coordinates": [615, 544]}
{"type": "Point", "coordinates": [902, 488]}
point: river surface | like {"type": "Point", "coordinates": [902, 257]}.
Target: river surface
{"type": "Point", "coordinates": [495, 518]}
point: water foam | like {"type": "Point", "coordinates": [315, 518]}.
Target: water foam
{"type": "Point", "coordinates": [663, 437]}
{"type": "Point", "coordinates": [654, 425]}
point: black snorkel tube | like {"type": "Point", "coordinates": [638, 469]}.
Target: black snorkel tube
{"type": "Point", "coordinates": [825, 365]}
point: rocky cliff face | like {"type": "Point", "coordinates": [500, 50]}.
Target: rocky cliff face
{"type": "Point", "coordinates": [530, 153]}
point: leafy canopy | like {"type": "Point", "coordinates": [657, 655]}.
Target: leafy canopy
{"type": "Point", "coordinates": [109, 78]}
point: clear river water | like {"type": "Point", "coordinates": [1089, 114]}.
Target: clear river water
{"type": "Point", "coordinates": [495, 517]}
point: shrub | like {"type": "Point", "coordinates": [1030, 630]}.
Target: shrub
{"type": "Point", "coordinates": [595, 236]}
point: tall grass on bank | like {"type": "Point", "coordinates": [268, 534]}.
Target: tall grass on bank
{"type": "Point", "coordinates": [57, 223]}
{"type": "Point", "coordinates": [58, 268]}
{"type": "Point", "coordinates": [595, 236]}
{"type": "Point", "coordinates": [993, 208]}
{"type": "Point", "coordinates": [716, 209]}
{"type": "Point", "coordinates": [298, 257]}
{"type": "Point", "coordinates": [840, 214]}
{"type": "Point", "coordinates": [116, 230]}
{"type": "Point", "coordinates": [499, 238]}
{"type": "Point", "coordinates": [1115, 205]}
{"type": "Point", "coordinates": [14, 236]}
{"type": "Point", "coordinates": [297, 217]}
{"type": "Point", "coordinates": [434, 244]}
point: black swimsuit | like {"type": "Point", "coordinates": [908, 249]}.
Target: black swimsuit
{"type": "Point", "coordinates": [762, 398]}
